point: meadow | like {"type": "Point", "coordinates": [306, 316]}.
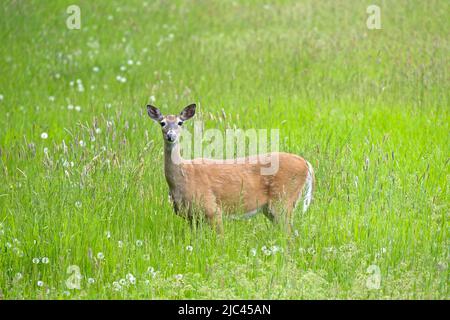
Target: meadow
{"type": "Point", "coordinates": [84, 210]}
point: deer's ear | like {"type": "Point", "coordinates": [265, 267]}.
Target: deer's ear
{"type": "Point", "coordinates": [154, 113]}
{"type": "Point", "coordinates": [188, 112]}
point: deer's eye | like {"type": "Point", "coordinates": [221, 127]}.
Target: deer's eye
{"type": "Point", "coordinates": [180, 123]}
{"type": "Point", "coordinates": [162, 123]}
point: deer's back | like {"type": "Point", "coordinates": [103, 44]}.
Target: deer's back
{"type": "Point", "coordinates": [237, 184]}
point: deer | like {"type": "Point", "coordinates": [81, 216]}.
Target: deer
{"type": "Point", "coordinates": [217, 189]}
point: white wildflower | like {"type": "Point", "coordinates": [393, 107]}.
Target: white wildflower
{"type": "Point", "coordinates": [179, 277]}
{"type": "Point", "coordinates": [131, 278]}
{"type": "Point", "coordinates": [116, 286]}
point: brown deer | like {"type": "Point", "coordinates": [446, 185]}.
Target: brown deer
{"type": "Point", "coordinates": [231, 186]}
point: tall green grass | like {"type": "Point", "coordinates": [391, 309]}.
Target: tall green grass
{"type": "Point", "coordinates": [368, 108]}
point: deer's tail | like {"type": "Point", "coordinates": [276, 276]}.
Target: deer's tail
{"type": "Point", "coordinates": [308, 189]}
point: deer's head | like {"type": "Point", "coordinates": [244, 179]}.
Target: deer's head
{"type": "Point", "coordinates": [171, 125]}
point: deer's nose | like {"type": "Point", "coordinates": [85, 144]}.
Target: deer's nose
{"type": "Point", "coordinates": [171, 136]}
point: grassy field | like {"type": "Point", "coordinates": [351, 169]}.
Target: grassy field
{"type": "Point", "coordinates": [83, 195]}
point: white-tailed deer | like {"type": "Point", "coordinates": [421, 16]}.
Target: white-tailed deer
{"type": "Point", "coordinates": [233, 186]}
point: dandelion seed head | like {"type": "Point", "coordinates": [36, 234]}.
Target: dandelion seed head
{"type": "Point", "coordinates": [40, 283]}
{"type": "Point", "coordinates": [91, 280]}
{"type": "Point", "coordinates": [35, 260]}
{"type": "Point", "coordinates": [78, 108]}
{"type": "Point", "coordinates": [116, 286]}
{"type": "Point", "coordinates": [44, 135]}
{"type": "Point", "coordinates": [179, 277]}
{"type": "Point", "coordinates": [78, 204]}
{"type": "Point", "coordinates": [100, 256]}
{"type": "Point", "coordinates": [45, 260]}
{"type": "Point", "coordinates": [139, 243]}
{"type": "Point", "coordinates": [189, 248]}
{"type": "Point", "coordinates": [276, 249]}
{"type": "Point", "coordinates": [130, 278]}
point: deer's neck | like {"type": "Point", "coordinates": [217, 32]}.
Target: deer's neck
{"type": "Point", "coordinates": [173, 165]}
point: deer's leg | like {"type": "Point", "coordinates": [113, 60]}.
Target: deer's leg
{"type": "Point", "coordinates": [280, 211]}
{"type": "Point", "coordinates": [269, 212]}
{"type": "Point", "coordinates": [214, 216]}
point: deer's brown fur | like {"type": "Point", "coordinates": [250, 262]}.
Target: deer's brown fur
{"type": "Point", "coordinates": [232, 186]}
